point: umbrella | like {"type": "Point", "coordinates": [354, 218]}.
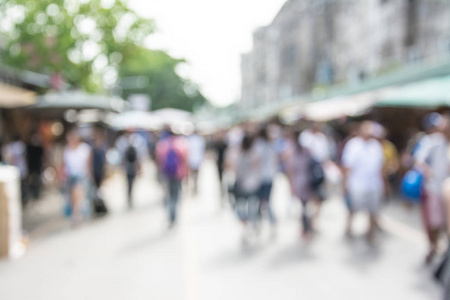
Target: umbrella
{"type": "Point", "coordinates": [172, 115]}
{"type": "Point", "coordinates": [136, 120]}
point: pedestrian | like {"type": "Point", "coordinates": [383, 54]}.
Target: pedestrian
{"type": "Point", "coordinates": [286, 145]}
{"type": "Point", "coordinates": [391, 160]}
{"type": "Point", "coordinates": [15, 154]}
{"type": "Point", "coordinates": [268, 170]}
{"type": "Point", "coordinates": [363, 162]}
{"type": "Point", "coordinates": [220, 146]}
{"type": "Point", "coordinates": [247, 185]}
{"type": "Point", "coordinates": [299, 179]}
{"type": "Point", "coordinates": [197, 147]}
{"type": "Point", "coordinates": [318, 145]}
{"type": "Point", "coordinates": [132, 148]}
{"type": "Point", "coordinates": [234, 137]}
{"type": "Point", "coordinates": [99, 150]}
{"type": "Point", "coordinates": [432, 160]}
{"type": "Point", "coordinates": [35, 161]}
{"type": "Point", "coordinates": [172, 160]}
{"type": "Point", "coordinates": [77, 157]}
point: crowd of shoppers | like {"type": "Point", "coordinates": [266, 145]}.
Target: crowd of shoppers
{"type": "Point", "coordinates": [249, 158]}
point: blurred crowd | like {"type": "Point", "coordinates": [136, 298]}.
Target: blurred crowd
{"type": "Point", "coordinates": [355, 161]}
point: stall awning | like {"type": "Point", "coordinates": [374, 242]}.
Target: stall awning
{"type": "Point", "coordinates": [430, 93]}
{"type": "Point", "coordinates": [332, 108]}
{"type": "Point", "coordinates": [53, 105]}
{"type": "Point", "coordinates": [136, 120]}
{"type": "Point", "coordinates": [339, 107]}
{"type": "Point", "coordinates": [13, 97]}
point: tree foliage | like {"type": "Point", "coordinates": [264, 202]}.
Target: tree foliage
{"type": "Point", "coordinates": [161, 82]}
{"type": "Point", "coordinates": [83, 40]}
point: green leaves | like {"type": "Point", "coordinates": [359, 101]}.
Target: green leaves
{"type": "Point", "coordinates": [67, 36]}
{"type": "Point", "coordinates": [164, 86]}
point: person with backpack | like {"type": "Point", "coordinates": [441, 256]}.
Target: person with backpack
{"type": "Point", "coordinates": [319, 146]}
{"type": "Point", "coordinates": [132, 147]}
{"type": "Point", "coordinates": [298, 172]}
{"type": "Point", "coordinates": [171, 157]}
{"type": "Point", "coordinates": [432, 161]}
{"type": "Point", "coordinates": [268, 170]}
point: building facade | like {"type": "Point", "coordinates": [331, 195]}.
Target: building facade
{"type": "Point", "coordinates": [317, 43]}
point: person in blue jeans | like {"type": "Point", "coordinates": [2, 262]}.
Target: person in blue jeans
{"type": "Point", "coordinates": [268, 169]}
{"type": "Point", "coordinates": [247, 185]}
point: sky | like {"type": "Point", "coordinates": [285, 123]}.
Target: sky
{"type": "Point", "coordinates": [211, 36]}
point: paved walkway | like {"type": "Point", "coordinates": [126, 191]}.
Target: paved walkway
{"type": "Point", "coordinates": [131, 255]}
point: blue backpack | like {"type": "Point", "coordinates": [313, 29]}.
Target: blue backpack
{"type": "Point", "coordinates": [172, 163]}
{"type": "Point", "coordinates": [411, 186]}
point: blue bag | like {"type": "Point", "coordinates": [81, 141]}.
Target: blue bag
{"type": "Point", "coordinates": [411, 186]}
{"type": "Point", "coordinates": [172, 163]}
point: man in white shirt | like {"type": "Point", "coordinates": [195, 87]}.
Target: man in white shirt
{"type": "Point", "coordinates": [363, 161]}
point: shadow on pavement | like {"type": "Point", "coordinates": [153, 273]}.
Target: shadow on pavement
{"type": "Point", "coordinates": [236, 257]}
{"type": "Point", "coordinates": [295, 253]}
{"type": "Point", "coordinates": [360, 255]}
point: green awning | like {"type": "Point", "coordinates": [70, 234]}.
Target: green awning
{"type": "Point", "coordinates": [430, 93]}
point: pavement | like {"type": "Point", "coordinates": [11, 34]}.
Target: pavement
{"type": "Point", "coordinates": [131, 254]}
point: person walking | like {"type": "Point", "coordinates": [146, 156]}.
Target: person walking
{"type": "Point", "coordinates": [172, 160]}
{"type": "Point", "coordinates": [35, 162]}
{"type": "Point", "coordinates": [234, 137]}
{"type": "Point", "coordinates": [197, 147]}
{"type": "Point", "coordinates": [432, 160]}
{"type": "Point", "coordinates": [268, 171]}
{"type": "Point", "coordinates": [246, 186]}
{"type": "Point", "coordinates": [220, 146]}
{"type": "Point", "coordinates": [299, 179]}
{"type": "Point", "coordinates": [319, 147]}
{"type": "Point", "coordinates": [391, 160]}
{"type": "Point", "coordinates": [15, 154]}
{"type": "Point", "coordinates": [99, 149]}
{"type": "Point", "coordinates": [132, 148]}
{"type": "Point", "coordinates": [77, 157]}
{"type": "Point", "coordinates": [363, 162]}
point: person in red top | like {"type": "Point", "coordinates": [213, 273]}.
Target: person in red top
{"type": "Point", "coordinates": [171, 157]}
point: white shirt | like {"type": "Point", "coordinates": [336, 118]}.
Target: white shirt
{"type": "Point", "coordinates": [317, 144]}
{"type": "Point", "coordinates": [197, 147]}
{"type": "Point", "coordinates": [76, 160]}
{"type": "Point", "coordinates": [365, 160]}
{"type": "Point", "coordinates": [433, 151]}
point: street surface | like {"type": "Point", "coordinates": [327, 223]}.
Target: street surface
{"type": "Point", "coordinates": [131, 254]}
